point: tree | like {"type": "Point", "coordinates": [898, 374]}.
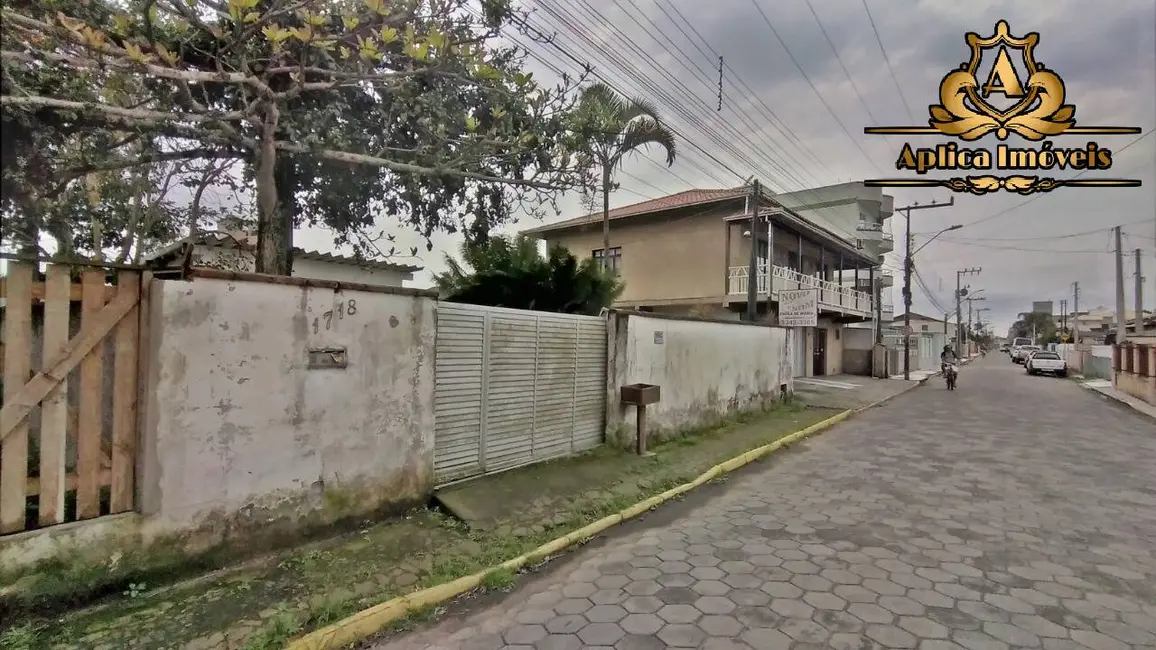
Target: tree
{"type": "Point", "coordinates": [341, 111]}
{"type": "Point", "coordinates": [510, 272]}
{"type": "Point", "coordinates": [613, 127]}
{"type": "Point", "coordinates": [1039, 326]}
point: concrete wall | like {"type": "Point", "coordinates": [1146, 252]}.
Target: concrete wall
{"type": "Point", "coordinates": [707, 370]}
{"type": "Point", "coordinates": [243, 445]}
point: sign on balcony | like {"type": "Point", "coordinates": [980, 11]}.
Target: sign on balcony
{"type": "Point", "coordinates": [799, 308]}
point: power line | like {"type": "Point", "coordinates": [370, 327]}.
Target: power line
{"type": "Point", "coordinates": [1040, 196]}
{"type": "Point", "coordinates": [807, 77]}
{"type": "Point", "coordinates": [1040, 238]}
{"type": "Point", "coordinates": [835, 51]}
{"type": "Point", "coordinates": [887, 60]}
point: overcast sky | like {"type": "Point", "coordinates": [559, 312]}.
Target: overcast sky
{"type": "Point", "coordinates": [796, 130]}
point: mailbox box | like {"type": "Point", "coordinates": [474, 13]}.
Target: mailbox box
{"type": "Point", "coordinates": [640, 394]}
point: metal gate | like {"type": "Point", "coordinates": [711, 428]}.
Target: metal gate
{"type": "Point", "coordinates": [515, 387]}
{"type": "Point", "coordinates": [799, 352]}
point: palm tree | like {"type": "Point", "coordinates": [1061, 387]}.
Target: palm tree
{"type": "Point", "coordinates": [613, 127]}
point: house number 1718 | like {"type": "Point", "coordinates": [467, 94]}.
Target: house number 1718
{"type": "Point", "coordinates": [339, 312]}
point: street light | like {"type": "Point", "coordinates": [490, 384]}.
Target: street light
{"type": "Point", "coordinates": [948, 229]}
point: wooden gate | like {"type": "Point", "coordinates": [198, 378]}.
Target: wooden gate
{"type": "Point", "coordinates": [68, 425]}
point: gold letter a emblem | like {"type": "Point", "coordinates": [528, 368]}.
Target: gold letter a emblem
{"type": "Point", "coordinates": [1003, 78]}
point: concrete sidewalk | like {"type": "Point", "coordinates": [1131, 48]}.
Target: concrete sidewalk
{"type": "Point", "coordinates": [1104, 387]}
{"type": "Point", "coordinates": [847, 391]}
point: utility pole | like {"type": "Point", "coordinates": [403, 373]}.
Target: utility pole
{"type": "Point", "coordinates": [969, 325]}
{"type": "Point", "coordinates": [1064, 316]}
{"type": "Point", "coordinates": [1121, 330]}
{"type": "Point", "coordinates": [753, 268]}
{"type": "Point", "coordinates": [959, 290]}
{"type": "Point", "coordinates": [908, 266]}
{"type": "Point", "coordinates": [1076, 315]}
{"type": "Point", "coordinates": [1139, 297]}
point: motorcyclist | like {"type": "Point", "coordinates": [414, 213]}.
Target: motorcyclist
{"type": "Point", "coordinates": [947, 356]}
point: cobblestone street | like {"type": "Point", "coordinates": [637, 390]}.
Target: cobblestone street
{"type": "Point", "coordinates": [1016, 512]}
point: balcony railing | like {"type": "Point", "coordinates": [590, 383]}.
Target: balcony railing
{"type": "Point", "coordinates": [832, 296]}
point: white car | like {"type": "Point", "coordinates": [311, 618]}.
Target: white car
{"type": "Point", "coordinates": [1021, 354]}
{"type": "Point", "coordinates": [1046, 362]}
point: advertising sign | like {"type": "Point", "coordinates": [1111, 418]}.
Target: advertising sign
{"type": "Point", "coordinates": [799, 308]}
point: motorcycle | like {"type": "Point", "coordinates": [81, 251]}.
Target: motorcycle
{"type": "Point", "coordinates": [950, 374]}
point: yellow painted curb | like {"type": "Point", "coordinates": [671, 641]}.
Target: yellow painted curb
{"type": "Point", "coordinates": [370, 621]}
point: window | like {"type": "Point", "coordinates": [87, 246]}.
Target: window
{"type": "Point", "coordinates": [615, 258]}
{"type": "Point", "coordinates": [923, 328]}
{"type": "Point", "coordinates": [764, 252]}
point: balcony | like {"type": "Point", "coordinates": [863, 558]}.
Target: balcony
{"type": "Point", "coordinates": [832, 296]}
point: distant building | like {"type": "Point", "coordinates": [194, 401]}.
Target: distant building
{"type": "Point", "coordinates": [236, 251]}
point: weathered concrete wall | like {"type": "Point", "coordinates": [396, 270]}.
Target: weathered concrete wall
{"type": "Point", "coordinates": [707, 370]}
{"type": "Point", "coordinates": [243, 446]}
{"type": "Point", "coordinates": [238, 425]}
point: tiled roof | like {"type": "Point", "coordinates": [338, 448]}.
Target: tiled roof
{"type": "Point", "coordinates": [680, 200]}
{"type": "Point", "coordinates": [229, 241]}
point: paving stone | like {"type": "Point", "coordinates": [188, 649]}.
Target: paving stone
{"type": "Point", "coordinates": [766, 639]}
{"type": "Point", "coordinates": [1097, 640]}
{"type": "Point", "coordinates": [559, 642]}
{"type": "Point", "coordinates": [716, 625]}
{"type": "Point", "coordinates": [566, 624]}
{"type": "Point", "coordinates": [681, 635]}
{"type": "Point", "coordinates": [1012, 635]}
{"type": "Point", "coordinates": [890, 636]}
{"type": "Point", "coordinates": [679, 614]}
{"type": "Point", "coordinates": [601, 634]}
{"type": "Point", "coordinates": [967, 530]}
{"type": "Point", "coordinates": [923, 627]}
{"type": "Point", "coordinates": [870, 613]}
{"type": "Point", "coordinates": [641, 624]}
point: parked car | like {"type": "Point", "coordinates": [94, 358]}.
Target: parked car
{"type": "Point", "coordinates": [1045, 362]}
{"type": "Point", "coordinates": [1021, 353]}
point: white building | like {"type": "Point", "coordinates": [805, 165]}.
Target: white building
{"type": "Point", "coordinates": [857, 212]}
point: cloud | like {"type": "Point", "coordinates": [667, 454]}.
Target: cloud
{"type": "Point", "coordinates": [1105, 51]}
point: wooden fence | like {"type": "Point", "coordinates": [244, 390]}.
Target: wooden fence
{"type": "Point", "coordinates": [68, 425]}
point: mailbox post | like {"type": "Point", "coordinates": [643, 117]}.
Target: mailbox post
{"type": "Point", "coordinates": [640, 395]}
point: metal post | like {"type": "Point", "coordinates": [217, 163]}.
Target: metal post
{"type": "Point", "coordinates": [753, 270]}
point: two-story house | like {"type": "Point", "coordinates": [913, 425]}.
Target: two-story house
{"type": "Point", "coordinates": [688, 253]}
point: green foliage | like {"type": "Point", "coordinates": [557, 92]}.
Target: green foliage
{"type": "Point", "coordinates": [342, 113]}
{"type": "Point", "coordinates": [1043, 324]}
{"type": "Point", "coordinates": [510, 272]}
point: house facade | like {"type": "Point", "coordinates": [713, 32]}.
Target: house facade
{"type": "Point", "coordinates": [922, 323]}
{"type": "Point", "coordinates": [236, 251]}
{"type": "Point", "coordinates": [690, 253]}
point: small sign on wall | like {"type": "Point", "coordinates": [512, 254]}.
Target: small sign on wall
{"type": "Point", "coordinates": [322, 358]}
{"type": "Point", "coordinates": [659, 336]}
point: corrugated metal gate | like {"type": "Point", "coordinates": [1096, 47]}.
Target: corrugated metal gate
{"type": "Point", "coordinates": [515, 387]}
